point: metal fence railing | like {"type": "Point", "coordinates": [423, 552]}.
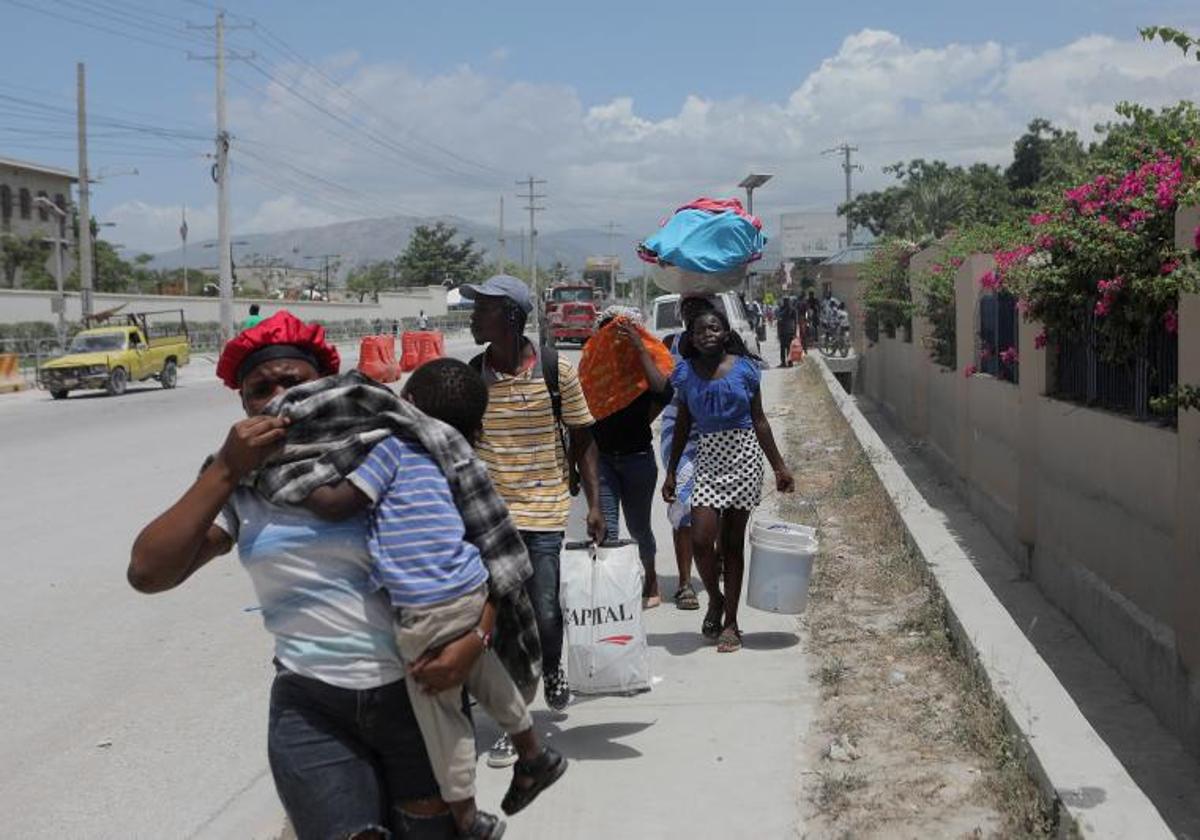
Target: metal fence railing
{"type": "Point", "coordinates": [996, 337]}
{"type": "Point", "coordinates": [1088, 372]}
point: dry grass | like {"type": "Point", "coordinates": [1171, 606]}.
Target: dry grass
{"type": "Point", "coordinates": [934, 756]}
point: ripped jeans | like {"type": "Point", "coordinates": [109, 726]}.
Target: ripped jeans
{"type": "Point", "coordinates": [345, 761]}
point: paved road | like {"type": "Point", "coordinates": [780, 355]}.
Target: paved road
{"type": "Point", "coordinates": [129, 716]}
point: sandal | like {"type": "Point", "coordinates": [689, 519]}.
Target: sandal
{"type": "Point", "coordinates": [651, 601]}
{"type": "Point", "coordinates": [711, 627]}
{"type": "Point", "coordinates": [730, 640]}
{"type": "Point", "coordinates": [485, 826]}
{"type": "Point", "coordinates": [544, 771]}
{"type": "Point", "coordinates": [685, 598]}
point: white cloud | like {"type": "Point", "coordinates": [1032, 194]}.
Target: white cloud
{"type": "Point", "coordinates": [451, 143]}
{"type": "Point", "coordinates": [500, 54]}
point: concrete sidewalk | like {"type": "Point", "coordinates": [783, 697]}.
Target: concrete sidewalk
{"type": "Point", "coordinates": [710, 752]}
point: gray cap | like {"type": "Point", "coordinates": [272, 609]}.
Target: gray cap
{"type": "Point", "coordinates": [500, 285]}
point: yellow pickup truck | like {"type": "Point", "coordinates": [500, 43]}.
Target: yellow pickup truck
{"type": "Point", "coordinates": [109, 357]}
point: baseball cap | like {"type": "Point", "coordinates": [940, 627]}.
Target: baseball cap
{"type": "Point", "coordinates": [500, 285]}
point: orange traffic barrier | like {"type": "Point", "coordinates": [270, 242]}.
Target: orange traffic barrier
{"type": "Point", "coordinates": [611, 373]}
{"type": "Point", "coordinates": [419, 347]}
{"type": "Point", "coordinates": [377, 358]}
{"type": "Point", "coordinates": [11, 378]}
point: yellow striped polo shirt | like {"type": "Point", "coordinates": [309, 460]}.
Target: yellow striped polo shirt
{"type": "Point", "coordinates": [521, 446]}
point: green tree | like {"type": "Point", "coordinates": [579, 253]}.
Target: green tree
{"type": "Point", "coordinates": [1045, 156]}
{"type": "Point", "coordinates": [24, 254]}
{"type": "Point", "coordinates": [110, 272]}
{"type": "Point", "coordinates": [370, 279]}
{"type": "Point", "coordinates": [433, 257]}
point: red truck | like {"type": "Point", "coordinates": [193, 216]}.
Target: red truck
{"type": "Point", "coordinates": [570, 313]}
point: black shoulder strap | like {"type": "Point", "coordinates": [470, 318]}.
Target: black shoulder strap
{"type": "Point", "coordinates": [476, 364]}
{"type": "Point", "coordinates": [550, 377]}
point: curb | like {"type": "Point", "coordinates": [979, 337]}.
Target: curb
{"type": "Point", "coordinates": [1089, 790]}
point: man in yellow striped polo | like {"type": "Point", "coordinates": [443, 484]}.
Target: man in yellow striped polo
{"type": "Point", "coordinates": [524, 452]}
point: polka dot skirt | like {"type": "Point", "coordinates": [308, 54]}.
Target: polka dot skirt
{"type": "Point", "coordinates": [729, 470]}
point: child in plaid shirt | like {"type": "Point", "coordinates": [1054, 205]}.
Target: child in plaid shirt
{"type": "Point", "coordinates": [438, 583]}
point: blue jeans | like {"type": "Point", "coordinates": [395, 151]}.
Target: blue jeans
{"type": "Point", "coordinates": [345, 761]}
{"type": "Point", "coordinates": [545, 553]}
{"type": "Point", "coordinates": [629, 481]}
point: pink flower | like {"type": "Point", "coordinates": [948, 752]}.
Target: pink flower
{"type": "Point", "coordinates": [1009, 357]}
{"type": "Point", "coordinates": [1103, 219]}
{"type": "Point", "coordinates": [1102, 307]}
{"type": "Point", "coordinates": [1171, 321]}
{"type": "Point", "coordinates": [985, 353]}
{"type": "Point", "coordinates": [1045, 242]}
{"type": "Point", "coordinates": [1039, 219]}
{"type": "Point", "coordinates": [990, 281]}
{"type": "Point", "coordinates": [1196, 238]}
{"type": "Point", "coordinates": [958, 261]}
{"type": "Point", "coordinates": [1023, 306]}
{"type": "Point", "coordinates": [970, 370]}
{"type": "Point", "coordinates": [1169, 267]}
{"type": "Point", "coordinates": [936, 268]}
{"type": "Point", "coordinates": [1039, 340]}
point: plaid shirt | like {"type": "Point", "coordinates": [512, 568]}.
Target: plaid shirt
{"type": "Point", "coordinates": [336, 420]}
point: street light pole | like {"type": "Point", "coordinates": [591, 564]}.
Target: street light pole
{"type": "Point", "coordinates": [750, 183]}
{"type": "Point", "coordinates": [60, 303]}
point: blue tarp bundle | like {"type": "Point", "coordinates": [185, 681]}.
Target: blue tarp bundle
{"type": "Point", "coordinates": [705, 241]}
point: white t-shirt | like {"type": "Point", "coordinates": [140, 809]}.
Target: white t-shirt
{"type": "Point", "coordinates": [313, 582]}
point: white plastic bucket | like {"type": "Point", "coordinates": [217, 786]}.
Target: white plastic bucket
{"type": "Point", "coordinates": [781, 560]}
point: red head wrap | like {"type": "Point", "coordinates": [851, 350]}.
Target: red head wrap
{"type": "Point", "coordinates": [283, 329]}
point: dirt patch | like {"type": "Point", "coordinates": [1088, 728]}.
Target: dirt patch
{"type": "Point", "coordinates": [907, 742]}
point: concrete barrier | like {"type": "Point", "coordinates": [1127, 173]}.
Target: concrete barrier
{"type": "Point", "coordinates": [1078, 774]}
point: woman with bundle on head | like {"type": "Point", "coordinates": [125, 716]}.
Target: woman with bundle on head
{"type": "Point", "coordinates": [718, 384]}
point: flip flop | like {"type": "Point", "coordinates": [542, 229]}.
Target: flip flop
{"type": "Point", "coordinates": [651, 601]}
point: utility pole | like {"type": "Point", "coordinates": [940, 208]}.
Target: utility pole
{"type": "Point", "coordinates": [531, 197]}
{"type": "Point", "coordinates": [503, 250]}
{"type": "Point", "coordinates": [220, 173]}
{"type": "Point", "coordinates": [523, 263]}
{"type": "Point", "coordinates": [183, 232]}
{"type": "Point", "coordinates": [85, 213]}
{"type": "Point", "coordinates": [846, 150]}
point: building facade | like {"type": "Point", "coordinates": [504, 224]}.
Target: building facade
{"type": "Point", "coordinates": [24, 217]}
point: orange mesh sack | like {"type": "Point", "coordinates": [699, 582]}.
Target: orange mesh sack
{"type": "Point", "coordinates": [610, 372]}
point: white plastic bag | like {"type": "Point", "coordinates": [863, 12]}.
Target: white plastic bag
{"type": "Point", "coordinates": [601, 596]}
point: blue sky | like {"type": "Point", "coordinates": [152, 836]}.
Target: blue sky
{"type": "Point", "coordinates": [626, 108]}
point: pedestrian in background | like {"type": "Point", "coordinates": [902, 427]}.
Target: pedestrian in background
{"type": "Point", "coordinates": [532, 394]}
{"type": "Point", "coordinates": [719, 394]}
{"type": "Point", "coordinates": [628, 471]}
{"type": "Point", "coordinates": [253, 319]}
{"type": "Point", "coordinates": [785, 328]}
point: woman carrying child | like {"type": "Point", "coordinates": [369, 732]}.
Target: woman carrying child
{"type": "Point", "coordinates": [718, 387]}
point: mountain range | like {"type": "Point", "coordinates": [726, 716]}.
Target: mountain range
{"type": "Point", "coordinates": [369, 240]}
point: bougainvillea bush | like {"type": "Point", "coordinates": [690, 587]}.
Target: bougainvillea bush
{"type": "Point", "coordinates": [883, 284]}
{"type": "Point", "coordinates": [1106, 247]}
{"type": "Point", "coordinates": [936, 283]}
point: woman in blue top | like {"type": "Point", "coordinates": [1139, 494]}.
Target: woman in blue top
{"type": "Point", "coordinates": [718, 388]}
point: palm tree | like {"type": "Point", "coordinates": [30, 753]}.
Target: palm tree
{"type": "Point", "coordinates": [933, 207]}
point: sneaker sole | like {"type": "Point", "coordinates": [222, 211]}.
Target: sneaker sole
{"type": "Point", "coordinates": [500, 763]}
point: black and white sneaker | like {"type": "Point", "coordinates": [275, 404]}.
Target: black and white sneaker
{"type": "Point", "coordinates": [502, 753]}
{"type": "Point", "coordinates": [556, 690]}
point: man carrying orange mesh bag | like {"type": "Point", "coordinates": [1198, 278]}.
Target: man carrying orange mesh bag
{"type": "Point", "coordinates": [624, 373]}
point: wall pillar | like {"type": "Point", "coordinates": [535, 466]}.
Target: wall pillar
{"type": "Point", "coordinates": [1187, 523]}
{"type": "Point", "coordinates": [966, 307]}
{"type": "Point", "coordinates": [1034, 372]}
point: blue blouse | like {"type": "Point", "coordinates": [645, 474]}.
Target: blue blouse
{"type": "Point", "coordinates": [718, 405]}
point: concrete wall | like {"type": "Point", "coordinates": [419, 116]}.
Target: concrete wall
{"type": "Point", "coordinates": [1099, 510]}
{"type": "Point", "coordinates": [20, 305]}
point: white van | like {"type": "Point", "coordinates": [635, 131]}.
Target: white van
{"type": "Point", "coordinates": [665, 318]}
